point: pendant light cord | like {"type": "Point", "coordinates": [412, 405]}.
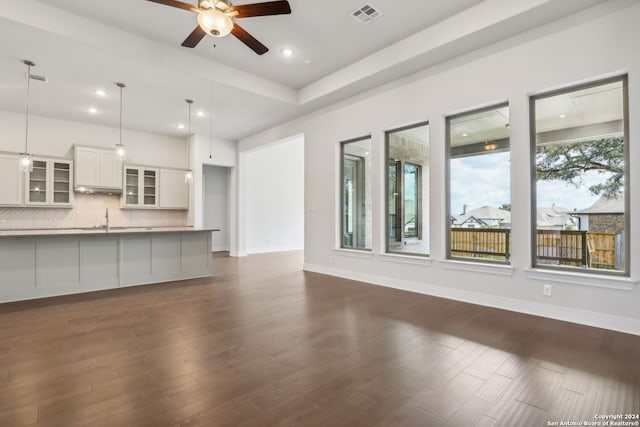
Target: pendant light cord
{"type": "Point", "coordinates": [120, 85]}
{"type": "Point", "coordinates": [189, 102]}
{"type": "Point", "coordinates": [211, 106]}
{"type": "Point", "coordinates": [29, 64]}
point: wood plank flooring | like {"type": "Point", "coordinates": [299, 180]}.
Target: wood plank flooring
{"type": "Point", "coordinates": [265, 344]}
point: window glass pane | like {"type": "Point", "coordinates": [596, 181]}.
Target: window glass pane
{"type": "Point", "coordinates": [479, 185]}
{"type": "Point", "coordinates": [580, 174]}
{"type": "Point", "coordinates": [356, 194]}
{"type": "Point", "coordinates": [408, 190]}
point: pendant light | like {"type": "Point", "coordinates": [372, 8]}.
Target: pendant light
{"type": "Point", "coordinates": [188, 176]}
{"type": "Point", "coordinates": [121, 149]}
{"type": "Point", "coordinates": [26, 161]}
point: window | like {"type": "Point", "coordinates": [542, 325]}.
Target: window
{"type": "Point", "coordinates": [479, 200]}
{"type": "Point", "coordinates": [579, 155]}
{"type": "Point", "coordinates": [407, 159]}
{"type": "Point", "coordinates": [356, 202]}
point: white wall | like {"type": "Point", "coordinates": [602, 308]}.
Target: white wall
{"type": "Point", "coordinates": [54, 137]}
{"type": "Point", "coordinates": [599, 43]}
{"type": "Point", "coordinates": [275, 197]}
{"type": "Point", "coordinates": [216, 198]}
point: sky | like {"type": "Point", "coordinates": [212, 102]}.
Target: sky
{"type": "Point", "coordinates": [484, 181]}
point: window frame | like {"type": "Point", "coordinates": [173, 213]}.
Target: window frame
{"type": "Point", "coordinates": [420, 210]}
{"type": "Point", "coordinates": [341, 193]}
{"type": "Point", "coordinates": [624, 79]}
{"type": "Point", "coordinates": [447, 186]}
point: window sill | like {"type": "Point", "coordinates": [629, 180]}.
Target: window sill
{"type": "Point", "coordinates": [582, 279]}
{"type": "Point", "coordinates": [354, 253]}
{"type": "Point", "coordinates": [477, 267]}
{"type": "Point", "coordinates": [406, 259]}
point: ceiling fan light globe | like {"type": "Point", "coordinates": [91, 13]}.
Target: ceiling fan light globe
{"type": "Point", "coordinates": [215, 23]}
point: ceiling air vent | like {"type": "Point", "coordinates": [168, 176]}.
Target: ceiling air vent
{"type": "Point", "coordinates": [366, 13]}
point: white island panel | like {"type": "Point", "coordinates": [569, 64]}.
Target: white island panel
{"type": "Point", "coordinates": [58, 263]}
{"type": "Point", "coordinates": [99, 263]}
{"type": "Point", "coordinates": [136, 260]}
{"type": "Point", "coordinates": [166, 256]}
{"type": "Point", "coordinates": [196, 258]}
{"type": "Point", "coordinates": [18, 265]}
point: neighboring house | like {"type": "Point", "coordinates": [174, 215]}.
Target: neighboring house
{"type": "Point", "coordinates": [606, 215]}
{"type": "Point", "coordinates": [556, 218]}
{"type": "Point", "coordinates": [484, 217]}
{"type": "Point", "coordinates": [553, 218]}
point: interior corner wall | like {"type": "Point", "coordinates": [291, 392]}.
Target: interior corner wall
{"type": "Point", "coordinates": [574, 50]}
{"type": "Point", "coordinates": [274, 197]}
{"type": "Point", "coordinates": [216, 198]}
{"type": "Point", "coordinates": [208, 151]}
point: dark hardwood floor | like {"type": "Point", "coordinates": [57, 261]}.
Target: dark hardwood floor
{"type": "Point", "coordinates": [264, 343]}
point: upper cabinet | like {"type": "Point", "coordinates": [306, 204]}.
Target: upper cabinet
{"type": "Point", "coordinates": [49, 183]}
{"type": "Point", "coordinates": [140, 187]}
{"type": "Point", "coordinates": [174, 191]}
{"type": "Point", "coordinates": [12, 179]}
{"type": "Point", "coordinates": [97, 169]}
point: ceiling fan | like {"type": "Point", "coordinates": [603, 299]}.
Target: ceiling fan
{"type": "Point", "coordinates": [215, 17]}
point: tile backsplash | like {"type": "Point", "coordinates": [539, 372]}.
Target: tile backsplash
{"type": "Point", "coordinates": [89, 211]}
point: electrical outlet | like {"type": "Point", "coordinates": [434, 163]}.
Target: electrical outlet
{"type": "Point", "coordinates": [546, 290]}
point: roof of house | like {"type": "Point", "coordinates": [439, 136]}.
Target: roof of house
{"type": "Point", "coordinates": [604, 205]}
{"type": "Point", "coordinates": [554, 216]}
{"type": "Point", "coordinates": [486, 214]}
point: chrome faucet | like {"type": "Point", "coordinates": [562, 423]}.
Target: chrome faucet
{"type": "Point", "coordinates": [106, 215]}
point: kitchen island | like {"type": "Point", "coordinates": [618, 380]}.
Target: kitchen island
{"type": "Point", "coordinates": [49, 262]}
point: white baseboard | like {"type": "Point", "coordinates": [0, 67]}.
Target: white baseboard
{"type": "Point", "coordinates": [589, 318]}
{"type": "Point", "coordinates": [219, 248]}
{"type": "Point", "coordinates": [274, 249]}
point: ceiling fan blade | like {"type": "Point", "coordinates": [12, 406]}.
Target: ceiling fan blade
{"type": "Point", "coordinates": [178, 4]}
{"type": "Point", "coordinates": [248, 39]}
{"type": "Point", "coordinates": [261, 9]}
{"type": "Point", "coordinates": [194, 38]}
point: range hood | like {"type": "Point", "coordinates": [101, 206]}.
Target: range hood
{"type": "Point", "coordinates": [97, 170]}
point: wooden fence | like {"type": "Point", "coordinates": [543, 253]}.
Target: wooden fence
{"type": "Point", "coordinates": [560, 247]}
{"type": "Point", "coordinates": [490, 243]}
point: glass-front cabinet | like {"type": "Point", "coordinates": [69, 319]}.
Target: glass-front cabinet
{"type": "Point", "coordinates": [140, 188]}
{"type": "Point", "coordinates": [49, 183]}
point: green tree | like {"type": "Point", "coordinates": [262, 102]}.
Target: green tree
{"type": "Point", "coordinates": [568, 162]}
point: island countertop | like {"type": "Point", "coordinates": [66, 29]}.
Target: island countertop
{"type": "Point", "coordinates": [96, 231]}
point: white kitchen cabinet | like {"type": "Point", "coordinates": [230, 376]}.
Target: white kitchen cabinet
{"type": "Point", "coordinates": [97, 169]}
{"type": "Point", "coordinates": [12, 179]}
{"type": "Point", "coordinates": [174, 191]}
{"type": "Point", "coordinates": [140, 187]}
{"type": "Point", "coordinates": [49, 183]}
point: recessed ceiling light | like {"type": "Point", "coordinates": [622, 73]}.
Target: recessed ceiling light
{"type": "Point", "coordinates": [287, 52]}
{"type": "Point", "coordinates": [562, 116]}
{"type": "Point", "coordinates": [100, 92]}
{"type": "Point", "coordinates": [465, 134]}
{"type": "Point", "coordinates": [180, 126]}
{"type": "Point", "coordinates": [92, 110]}
{"type": "Point", "coordinates": [200, 114]}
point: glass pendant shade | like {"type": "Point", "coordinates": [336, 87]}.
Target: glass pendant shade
{"type": "Point", "coordinates": [215, 23]}
{"type": "Point", "coordinates": [26, 163]}
{"type": "Point", "coordinates": [121, 152]}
